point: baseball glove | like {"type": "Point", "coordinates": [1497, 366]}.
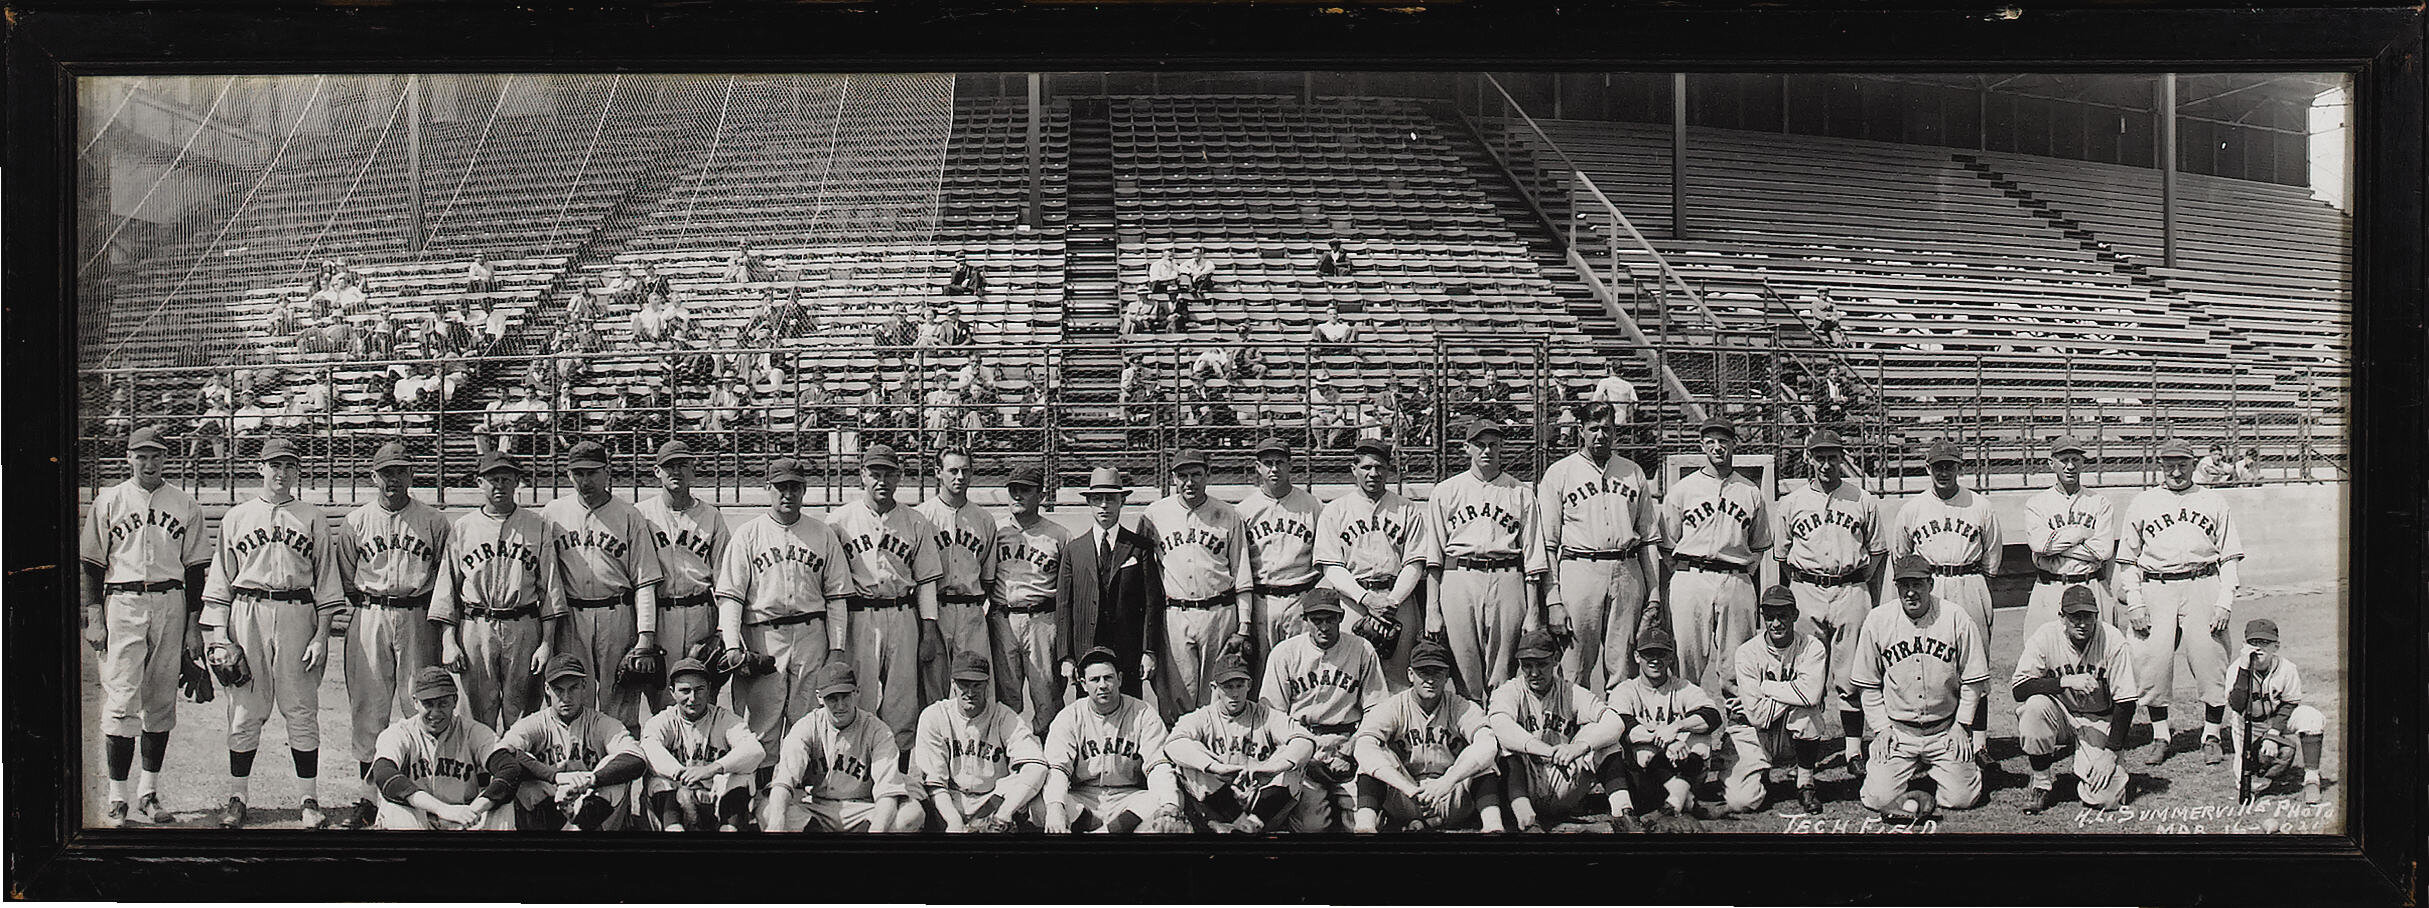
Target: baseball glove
{"type": "Point", "coordinates": [228, 664]}
{"type": "Point", "coordinates": [1384, 633]}
{"type": "Point", "coordinates": [194, 681]}
{"type": "Point", "coordinates": [1338, 770]}
{"type": "Point", "coordinates": [990, 825]}
{"type": "Point", "coordinates": [1666, 821]}
{"type": "Point", "coordinates": [643, 667]}
{"type": "Point", "coordinates": [1166, 824]}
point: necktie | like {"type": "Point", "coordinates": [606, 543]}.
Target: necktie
{"type": "Point", "coordinates": [1104, 555]}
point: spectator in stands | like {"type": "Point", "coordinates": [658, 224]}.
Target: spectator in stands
{"type": "Point", "coordinates": [1164, 277]}
{"type": "Point", "coordinates": [654, 325]}
{"type": "Point", "coordinates": [253, 417]}
{"type": "Point", "coordinates": [1334, 417]}
{"type": "Point", "coordinates": [308, 408]}
{"type": "Point", "coordinates": [353, 294]}
{"type": "Point", "coordinates": [967, 279]}
{"type": "Point", "coordinates": [743, 266]}
{"type": "Point", "coordinates": [729, 411]}
{"type": "Point", "coordinates": [417, 389]}
{"type": "Point", "coordinates": [379, 337]}
{"type": "Point", "coordinates": [1210, 405]}
{"type": "Point", "coordinates": [1197, 276]}
{"type": "Point", "coordinates": [1333, 329]}
{"type": "Point", "coordinates": [509, 424]}
{"type": "Point", "coordinates": [2247, 469]}
{"type": "Point", "coordinates": [1334, 261]}
{"type": "Point", "coordinates": [637, 421]}
{"type": "Point", "coordinates": [479, 277]}
{"type": "Point", "coordinates": [1615, 389]}
{"type": "Point", "coordinates": [896, 329]}
{"type": "Point", "coordinates": [452, 387]}
{"type": "Point", "coordinates": [1495, 398]}
{"type": "Point", "coordinates": [287, 317]}
{"type": "Point", "coordinates": [944, 331]}
{"type": "Point", "coordinates": [1142, 313]}
{"type": "Point", "coordinates": [214, 392]}
{"type": "Point", "coordinates": [492, 322]}
{"type": "Point", "coordinates": [942, 413]}
{"type": "Point", "coordinates": [340, 336]}
{"type": "Point", "coordinates": [1825, 315]}
{"type": "Point", "coordinates": [2215, 468]}
{"type": "Point", "coordinates": [211, 431]}
{"type": "Point", "coordinates": [816, 404]}
{"type": "Point", "coordinates": [579, 337]}
{"type": "Point", "coordinates": [622, 287]}
{"type": "Point", "coordinates": [654, 284]}
{"type": "Point", "coordinates": [1134, 387]}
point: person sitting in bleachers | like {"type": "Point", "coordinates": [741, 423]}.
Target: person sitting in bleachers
{"type": "Point", "coordinates": [1197, 276]}
{"type": "Point", "coordinates": [1615, 389]}
{"type": "Point", "coordinates": [744, 265]}
{"type": "Point", "coordinates": [944, 331]}
{"type": "Point", "coordinates": [1210, 405]}
{"type": "Point", "coordinates": [417, 389]}
{"type": "Point", "coordinates": [1142, 313]}
{"type": "Point", "coordinates": [640, 419]}
{"type": "Point", "coordinates": [492, 321]}
{"type": "Point", "coordinates": [1825, 315]}
{"type": "Point", "coordinates": [729, 411]}
{"type": "Point", "coordinates": [479, 277]}
{"type": "Point", "coordinates": [967, 279]}
{"type": "Point", "coordinates": [305, 408]}
{"type": "Point", "coordinates": [1496, 397]}
{"type": "Point", "coordinates": [210, 436]}
{"type": "Point", "coordinates": [1334, 417]}
{"type": "Point", "coordinates": [895, 330]}
{"type": "Point", "coordinates": [353, 294]}
{"type": "Point", "coordinates": [1333, 329]}
{"type": "Point", "coordinates": [943, 412]}
{"type": "Point", "coordinates": [651, 283]}
{"type": "Point", "coordinates": [329, 336]}
{"type": "Point", "coordinates": [253, 417]}
{"type": "Point", "coordinates": [2215, 468]}
{"type": "Point", "coordinates": [508, 423]}
{"type": "Point", "coordinates": [214, 392]}
{"type": "Point", "coordinates": [1164, 278]}
{"type": "Point", "coordinates": [453, 387]}
{"type": "Point", "coordinates": [1334, 261]}
{"type": "Point", "coordinates": [621, 288]}
{"type": "Point", "coordinates": [1134, 386]}
{"type": "Point", "coordinates": [379, 337]}
{"type": "Point", "coordinates": [653, 324]}
{"type": "Point", "coordinates": [2247, 469]}
{"type": "Point", "coordinates": [287, 317]}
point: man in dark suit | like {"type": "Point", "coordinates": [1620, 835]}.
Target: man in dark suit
{"type": "Point", "coordinates": [1107, 590]}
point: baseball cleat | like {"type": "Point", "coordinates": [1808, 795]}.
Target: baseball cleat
{"type": "Point", "coordinates": [2310, 791]}
{"type": "Point", "coordinates": [2165, 750]}
{"type": "Point", "coordinates": [365, 814]}
{"type": "Point", "coordinates": [1809, 801]}
{"type": "Point", "coordinates": [2211, 752]}
{"type": "Point", "coordinates": [233, 815]}
{"type": "Point", "coordinates": [1855, 766]}
{"type": "Point", "coordinates": [118, 814]}
{"type": "Point", "coordinates": [313, 817]}
{"type": "Point", "coordinates": [1625, 822]}
{"type": "Point", "coordinates": [148, 809]}
{"type": "Point", "coordinates": [2041, 800]}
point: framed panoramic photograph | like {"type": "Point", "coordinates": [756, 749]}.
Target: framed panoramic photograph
{"type": "Point", "coordinates": [1175, 452]}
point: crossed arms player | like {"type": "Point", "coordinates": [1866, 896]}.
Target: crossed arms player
{"type": "Point", "coordinates": [1424, 755]}
{"type": "Point", "coordinates": [840, 771]}
{"type": "Point", "coordinates": [575, 761]}
{"type": "Point", "coordinates": [1775, 707]}
{"type": "Point", "coordinates": [1554, 742]}
{"type": "Point", "coordinates": [702, 757]}
{"type": "Point", "coordinates": [1239, 760]}
{"type": "Point", "coordinates": [436, 769]}
{"type": "Point", "coordinates": [1104, 766]}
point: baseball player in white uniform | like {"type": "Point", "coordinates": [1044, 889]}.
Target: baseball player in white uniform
{"type": "Point", "coordinates": [840, 771]}
{"type": "Point", "coordinates": [145, 564]}
{"type": "Point", "coordinates": [782, 585]}
{"type": "Point", "coordinates": [1202, 548]}
{"type": "Point", "coordinates": [496, 617]}
{"type": "Point", "coordinates": [894, 613]}
{"type": "Point", "coordinates": [1554, 742]}
{"type": "Point", "coordinates": [1774, 700]}
{"type": "Point", "coordinates": [1600, 521]}
{"type": "Point", "coordinates": [1830, 548]}
{"type": "Point", "coordinates": [1373, 549]}
{"type": "Point", "coordinates": [272, 591]}
{"type": "Point", "coordinates": [608, 568]}
{"type": "Point", "coordinates": [1326, 681]}
{"type": "Point", "coordinates": [965, 540]}
{"type": "Point", "coordinates": [1716, 523]}
{"type": "Point", "coordinates": [702, 757]}
{"type": "Point", "coordinates": [575, 764]}
{"type": "Point", "coordinates": [2072, 532]}
{"type": "Point", "coordinates": [1281, 521]}
{"type": "Point", "coordinates": [691, 538]}
{"type": "Point", "coordinates": [1922, 665]}
{"type": "Point", "coordinates": [1238, 760]}
{"type": "Point", "coordinates": [1668, 727]}
{"type": "Point", "coordinates": [1426, 755]}
{"type": "Point", "coordinates": [974, 758]}
{"type": "Point", "coordinates": [2267, 696]}
{"type": "Point", "coordinates": [388, 558]}
{"type": "Point", "coordinates": [1104, 757]}
{"type": "Point", "coordinates": [429, 767]}
{"type": "Point", "coordinates": [2177, 556]}
{"type": "Point", "coordinates": [1483, 585]}
{"type": "Point", "coordinates": [1955, 529]}
{"type": "Point", "coordinates": [1021, 619]}
{"type": "Point", "coordinates": [2074, 684]}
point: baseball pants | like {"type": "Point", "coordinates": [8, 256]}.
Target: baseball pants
{"type": "Point", "coordinates": [393, 815]}
{"type": "Point", "coordinates": [601, 637]}
{"type": "Point", "coordinates": [1557, 792]}
{"type": "Point", "coordinates": [385, 647]}
{"type": "Point", "coordinates": [1193, 642]}
{"type": "Point", "coordinates": [2181, 612]}
{"type": "Point", "coordinates": [1197, 787]}
{"type": "Point", "coordinates": [1606, 601]}
{"type": "Point", "coordinates": [1970, 592]}
{"type": "Point", "coordinates": [973, 806]}
{"type": "Point", "coordinates": [1467, 800]}
{"type": "Point", "coordinates": [2305, 721]}
{"type": "Point", "coordinates": [1025, 671]}
{"type": "Point", "coordinates": [1278, 616]}
{"type": "Point", "coordinates": [2042, 608]}
{"type": "Point", "coordinates": [1759, 750]}
{"type": "Point", "coordinates": [536, 801]}
{"type": "Point", "coordinates": [1947, 755]}
{"type": "Point", "coordinates": [274, 635]}
{"type": "Point", "coordinates": [2043, 725]}
{"type": "Point", "coordinates": [678, 630]}
{"type": "Point", "coordinates": [769, 704]}
{"type": "Point", "coordinates": [1844, 607]}
{"type": "Point", "coordinates": [140, 669]}
{"type": "Point", "coordinates": [1482, 611]}
{"type": "Point", "coordinates": [499, 685]}
{"type": "Point", "coordinates": [885, 660]}
{"type": "Point", "coordinates": [1091, 808]}
{"type": "Point", "coordinates": [964, 626]}
{"type": "Point", "coordinates": [1711, 612]}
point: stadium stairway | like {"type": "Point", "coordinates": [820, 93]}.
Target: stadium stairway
{"type": "Point", "coordinates": [1092, 301]}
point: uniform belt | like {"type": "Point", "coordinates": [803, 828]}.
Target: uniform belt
{"type": "Point", "coordinates": [696, 599]}
{"type": "Point", "coordinates": [1486, 562]}
{"type": "Point", "coordinates": [1618, 554]}
{"type": "Point", "coordinates": [962, 598]}
{"type": "Point", "coordinates": [2055, 577]}
{"type": "Point", "coordinates": [2207, 570]}
{"type": "Point", "coordinates": [1208, 602]}
{"type": "Point", "coordinates": [502, 614]}
{"type": "Point", "coordinates": [865, 603]}
{"type": "Point", "coordinates": [1378, 583]}
{"type": "Point", "coordinates": [608, 602]}
{"type": "Point", "coordinates": [1335, 728]}
{"type": "Point", "coordinates": [1035, 605]}
{"type": "Point", "coordinates": [1957, 570]}
{"type": "Point", "coordinates": [794, 618]}
{"type": "Point", "coordinates": [1711, 565]}
{"type": "Point", "coordinates": [376, 601]}
{"type": "Point", "coordinates": [1926, 728]}
{"type": "Point", "coordinates": [157, 586]}
{"type": "Point", "coordinates": [1842, 578]}
{"type": "Point", "coordinates": [1286, 590]}
{"type": "Point", "coordinates": [274, 595]}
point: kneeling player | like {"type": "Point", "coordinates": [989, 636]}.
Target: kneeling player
{"type": "Point", "coordinates": [2267, 694]}
{"type": "Point", "coordinates": [1554, 743]}
{"type": "Point", "coordinates": [1775, 708]}
{"type": "Point", "coordinates": [1325, 681]}
{"type": "Point", "coordinates": [581, 762]}
{"type": "Point", "coordinates": [426, 766]}
{"type": "Point", "coordinates": [1670, 727]}
{"type": "Point", "coordinates": [840, 771]}
{"type": "Point", "coordinates": [1921, 665]}
{"type": "Point", "coordinates": [1425, 756]}
{"type": "Point", "coordinates": [976, 758]}
{"type": "Point", "coordinates": [1103, 771]}
{"type": "Point", "coordinates": [2075, 684]}
{"type": "Point", "coordinates": [701, 756]}
{"type": "Point", "coordinates": [1239, 760]}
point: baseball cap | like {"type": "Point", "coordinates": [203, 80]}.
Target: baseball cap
{"type": "Point", "coordinates": [1188, 457]}
{"type": "Point", "coordinates": [495, 461]}
{"type": "Point", "coordinates": [563, 665]}
{"type": "Point", "coordinates": [784, 469]}
{"type": "Point", "coordinates": [1098, 654]}
{"type": "Point", "coordinates": [1229, 666]}
{"type": "Point", "coordinates": [1537, 644]}
{"type": "Point", "coordinates": [146, 437]}
{"type": "Point", "coordinates": [2078, 600]}
{"type": "Point", "coordinates": [1272, 445]}
{"type": "Point", "coordinates": [1942, 451]}
{"type": "Point", "coordinates": [1479, 428]}
{"type": "Point", "coordinates": [834, 677]}
{"type": "Point", "coordinates": [1029, 475]}
{"type": "Point", "coordinates": [278, 449]}
{"type": "Point", "coordinates": [1656, 641]}
{"type": "Point", "coordinates": [1430, 654]}
{"type": "Point", "coordinates": [588, 455]}
{"type": "Point", "coordinates": [1718, 425]}
{"type": "Point", "coordinates": [673, 451]}
{"type": "Point", "coordinates": [1321, 605]}
{"type": "Point", "coordinates": [431, 682]}
{"type": "Point", "coordinates": [1107, 481]}
{"type": "Point", "coordinates": [1777, 597]}
{"type": "Point", "coordinates": [2065, 443]}
{"type": "Point", "coordinates": [969, 666]}
{"type": "Point", "coordinates": [879, 456]}
{"type": "Point", "coordinates": [2260, 630]}
{"type": "Point", "coordinates": [391, 454]}
{"type": "Point", "coordinates": [2176, 447]}
{"type": "Point", "coordinates": [1374, 446]}
{"type": "Point", "coordinates": [1824, 439]}
{"type": "Point", "coordinates": [688, 665]}
{"type": "Point", "coordinates": [1909, 567]}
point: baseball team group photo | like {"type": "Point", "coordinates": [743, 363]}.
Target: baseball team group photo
{"type": "Point", "coordinates": [1220, 453]}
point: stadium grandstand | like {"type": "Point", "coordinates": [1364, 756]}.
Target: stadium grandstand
{"type": "Point", "coordinates": [1089, 269]}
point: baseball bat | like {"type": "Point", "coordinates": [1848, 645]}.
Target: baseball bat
{"type": "Point", "coordinates": [2243, 748]}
